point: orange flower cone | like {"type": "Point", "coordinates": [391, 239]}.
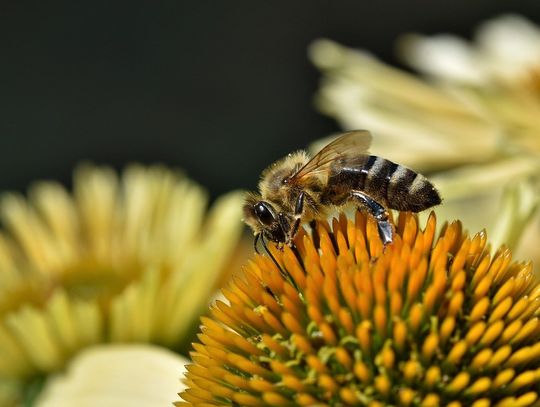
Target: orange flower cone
{"type": "Point", "coordinates": [343, 321]}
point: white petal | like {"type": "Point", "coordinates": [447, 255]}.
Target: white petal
{"type": "Point", "coordinates": [118, 375]}
{"type": "Point", "coordinates": [510, 45]}
{"type": "Point", "coordinates": [445, 57]}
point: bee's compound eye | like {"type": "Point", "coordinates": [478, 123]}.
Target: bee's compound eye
{"type": "Point", "coordinates": [264, 213]}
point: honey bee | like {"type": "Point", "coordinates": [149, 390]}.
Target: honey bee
{"type": "Point", "coordinates": [298, 189]}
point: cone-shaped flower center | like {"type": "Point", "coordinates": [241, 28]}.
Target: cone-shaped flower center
{"type": "Point", "coordinates": [344, 321]}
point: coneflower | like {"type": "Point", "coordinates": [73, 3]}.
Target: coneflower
{"type": "Point", "coordinates": [343, 321]}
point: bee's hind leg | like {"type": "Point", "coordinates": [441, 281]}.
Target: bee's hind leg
{"type": "Point", "coordinates": [380, 214]}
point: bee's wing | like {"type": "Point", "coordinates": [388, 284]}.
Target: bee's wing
{"type": "Point", "coordinates": [350, 146]}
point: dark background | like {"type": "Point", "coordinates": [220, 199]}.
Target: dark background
{"type": "Point", "coordinates": [220, 88]}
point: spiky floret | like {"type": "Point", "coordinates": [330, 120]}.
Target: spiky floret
{"type": "Point", "coordinates": [427, 321]}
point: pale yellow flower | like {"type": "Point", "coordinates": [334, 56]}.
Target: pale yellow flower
{"type": "Point", "coordinates": [133, 258]}
{"type": "Point", "coordinates": [413, 122]}
{"type": "Point", "coordinates": [499, 73]}
{"type": "Point", "coordinates": [474, 130]}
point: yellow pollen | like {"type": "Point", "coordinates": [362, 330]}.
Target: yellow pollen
{"type": "Point", "coordinates": [481, 385]}
{"type": "Point", "coordinates": [431, 400]}
{"type": "Point", "coordinates": [343, 357]}
{"type": "Point", "coordinates": [501, 309]}
{"type": "Point", "coordinates": [430, 346]}
{"type": "Point", "coordinates": [433, 375]}
{"type": "Point", "coordinates": [459, 382]}
{"type": "Point", "coordinates": [275, 399]}
{"type": "Point", "coordinates": [485, 402]}
{"type": "Point", "coordinates": [400, 334]}
{"type": "Point", "coordinates": [415, 316]}
{"type": "Point", "coordinates": [411, 369]}
{"type": "Point", "coordinates": [527, 399]}
{"type": "Point", "coordinates": [475, 333]}
{"type": "Point", "coordinates": [499, 356]}
{"type": "Point", "coordinates": [387, 358]}
{"type": "Point", "coordinates": [382, 384]}
{"type": "Point", "coordinates": [327, 383]}
{"type": "Point", "coordinates": [492, 333]}
{"type": "Point", "coordinates": [348, 396]}
{"type": "Point", "coordinates": [362, 372]}
{"type": "Point", "coordinates": [481, 359]}
{"type": "Point", "coordinates": [363, 333]}
{"type": "Point", "coordinates": [524, 379]}
{"type": "Point", "coordinates": [479, 309]}
{"type": "Point", "coordinates": [519, 307]}
{"type": "Point", "coordinates": [447, 327]}
{"type": "Point", "coordinates": [503, 378]}
{"type": "Point", "coordinates": [293, 382]}
{"type": "Point", "coordinates": [406, 396]}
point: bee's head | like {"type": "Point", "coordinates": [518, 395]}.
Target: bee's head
{"type": "Point", "coordinates": [264, 219]}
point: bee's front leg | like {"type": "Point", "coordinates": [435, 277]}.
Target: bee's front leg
{"type": "Point", "coordinates": [298, 211]}
{"type": "Point", "coordinates": [285, 227]}
{"type": "Point", "coordinates": [380, 214]}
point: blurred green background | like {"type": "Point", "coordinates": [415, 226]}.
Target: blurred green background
{"type": "Point", "coordinates": [218, 88]}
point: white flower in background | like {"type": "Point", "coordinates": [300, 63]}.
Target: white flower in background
{"type": "Point", "coordinates": [473, 125]}
{"type": "Point", "coordinates": [136, 375]}
{"type": "Point", "coordinates": [505, 49]}
{"type": "Point", "coordinates": [413, 122]}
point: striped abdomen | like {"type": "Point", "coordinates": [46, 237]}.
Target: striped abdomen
{"type": "Point", "coordinates": [390, 184]}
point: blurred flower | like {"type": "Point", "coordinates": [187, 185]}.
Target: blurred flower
{"type": "Point", "coordinates": [505, 59]}
{"type": "Point", "coordinates": [413, 122]}
{"type": "Point", "coordinates": [426, 321]}
{"type": "Point", "coordinates": [505, 49]}
{"type": "Point", "coordinates": [117, 375]}
{"type": "Point", "coordinates": [129, 259]}
{"type": "Point", "coordinates": [473, 126]}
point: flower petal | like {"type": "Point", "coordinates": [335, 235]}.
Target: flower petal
{"type": "Point", "coordinates": [444, 57]}
{"type": "Point", "coordinates": [117, 375]}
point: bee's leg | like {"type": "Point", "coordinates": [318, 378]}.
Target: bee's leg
{"type": "Point", "coordinates": [378, 211]}
{"type": "Point", "coordinates": [263, 242]}
{"type": "Point", "coordinates": [255, 241]}
{"type": "Point", "coordinates": [283, 223]}
{"type": "Point", "coordinates": [299, 206]}
{"type": "Point", "coordinates": [298, 211]}
{"type": "Point", "coordinates": [269, 253]}
{"type": "Point", "coordinates": [294, 230]}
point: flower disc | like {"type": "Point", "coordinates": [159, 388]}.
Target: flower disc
{"type": "Point", "coordinates": [344, 321]}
